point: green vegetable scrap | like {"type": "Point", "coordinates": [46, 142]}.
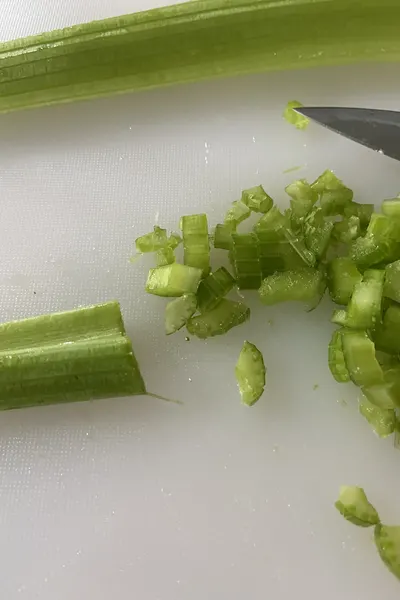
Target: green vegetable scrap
{"type": "Point", "coordinates": [382, 420]}
{"type": "Point", "coordinates": [387, 541]}
{"type": "Point", "coordinates": [257, 199]}
{"type": "Point", "coordinates": [178, 312]}
{"type": "Point", "coordinates": [353, 504]}
{"type": "Point", "coordinates": [196, 245]}
{"type": "Point", "coordinates": [250, 374]}
{"type": "Point", "coordinates": [293, 117]}
{"type": "Point", "coordinates": [173, 280]}
{"type": "Point", "coordinates": [219, 320]}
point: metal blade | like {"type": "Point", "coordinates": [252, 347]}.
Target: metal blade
{"type": "Point", "coordinates": [376, 129]}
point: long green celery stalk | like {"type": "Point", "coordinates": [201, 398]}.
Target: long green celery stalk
{"type": "Point", "coordinates": [72, 356]}
{"type": "Point", "coordinates": [193, 41]}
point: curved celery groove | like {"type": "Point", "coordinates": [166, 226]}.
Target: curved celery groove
{"type": "Point", "coordinates": [194, 41]}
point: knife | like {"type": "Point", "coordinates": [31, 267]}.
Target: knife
{"type": "Point", "coordinates": [376, 129]}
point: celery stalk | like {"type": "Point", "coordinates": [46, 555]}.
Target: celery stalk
{"type": "Point", "coordinates": [194, 41]}
{"type": "Point", "coordinates": [72, 356]}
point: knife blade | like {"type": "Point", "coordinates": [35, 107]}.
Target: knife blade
{"type": "Point", "coordinates": [376, 129]}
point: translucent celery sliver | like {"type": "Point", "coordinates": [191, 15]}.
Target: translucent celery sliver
{"type": "Point", "coordinates": [257, 199]}
{"type": "Point", "coordinates": [73, 356]}
{"type": "Point", "coordinates": [150, 242]}
{"type": "Point", "coordinates": [191, 42]}
{"type": "Point", "coordinates": [343, 276]}
{"type": "Point", "coordinates": [245, 257]}
{"type": "Point", "coordinates": [303, 285]}
{"type": "Point", "coordinates": [178, 312]}
{"type": "Point", "coordinates": [196, 245]}
{"type": "Point", "coordinates": [365, 306]}
{"type": "Point", "coordinates": [238, 213]}
{"type": "Point", "coordinates": [213, 288]}
{"type": "Point", "coordinates": [387, 541]}
{"type": "Point", "coordinates": [336, 360]}
{"type": "Point", "coordinates": [361, 362]}
{"type": "Point", "coordinates": [220, 320]}
{"type": "Point", "coordinates": [354, 506]}
{"type": "Point", "coordinates": [293, 117]}
{"type": "Point", "coordinates": [173, 280]}
{"type": "Point", "coordinates": [382, 420]}
{"type": "Point", "coordinates": [165, 256]}
{"type": "Point", "coordinates": [391, 288]}
{"type": "Point", "coordinates": [250, 374]}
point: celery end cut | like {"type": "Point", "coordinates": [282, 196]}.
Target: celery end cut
{"type": "Point", "coordinates": [354, 506]}
{"type": "Point", "coordinates": [387, 541]}
{"type": "Point", "coordinates": [191, 42]}
{"type": "Point", "coordinates": [173, 280]}
{"type": "Point", "coordinates": [71, 356]}
{"type": "Point", "coordinates": [293, 117]}
{"type": "Point", "coordinates": [250, 374]}
{"type": "Point", "coordinates": [220, 320]}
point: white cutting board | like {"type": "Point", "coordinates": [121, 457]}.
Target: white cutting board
{"type": "Point", "coordinates": [140, 499]}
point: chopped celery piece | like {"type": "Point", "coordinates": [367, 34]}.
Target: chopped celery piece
{"type": "Point", "coordinates": [339, 317]}
{"type": "Point", "coordinates": [270, 225]}
{"type": "Point", "coordinates": [382, 396]}
{"type": "Point", "coordinates": [178, 311]}
{"type": "Point", "coordinates": [347, 231]}
{"type": "Point", "coordinates": [343, 276]}
{"type": "Point", "coordinates": [151, 242]}
{"type": "Point", "coordinates": [238, 212]}
{"type": "Point", "coordinates": [359, 354]}
{"type": "Point", "coordinates": [387, 541]}
{"type": "Point", "coordinates": [382, 420]}
{"type": "Point", "coordinates": [277, 256]}
{"type": "Point", "coordinates": [219, 320]}
{"type": "Point", "coordinates": [317, 232]}
{"type": "Point", "coordinates": [353, 504]}
{"type": "Point", "coordinates": [245, 256]}
{"type": "Point", "coordinates": [362, 211]}
{"type": "Point", "coordinates": [391, 289]}
{"type": "Point", "coordinates": [250, 374]}
{"type": "Point", "coordinates": [299, 247]}
{"type": "Point", "coordinates": [73, 356]}
{"type": "Point", "coordinates": [391, 208]}
{"type": "Point", "coordinates": [165, 256]}
{"type": "Point", "coordinates": [303, 197]}
{"type": "Point", "coordinates": [196, 245]}
{"type": "Point", "coordinates": [303, 285]}
{"type": "Point", "coordinates": [173, 280]}
{"type": "Point", "coordinates": [293, 117]}
{"type": "Point", "coordinates": [334, 196]}
{"type": "Point", "coordinates": [387, 336]}
{"type": "Point", "coordinates": [174, 241]}
{"type": "Point", "coordinates": [379, 245]}
{"type": "Point", "coordinates": [223, 235]}
{"type": "Point", "coordinates": [337, 363]}
{"type": "Point", "coordinates": [365, 307]}
{"type": "Point", "coordinates": [213, 288]}
{"type": "Point", "coordinates": [257, 199]}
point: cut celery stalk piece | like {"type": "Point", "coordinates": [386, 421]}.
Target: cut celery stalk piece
{"type": "Point", "coordinates": [250, 374]}
{"type": "Point", "coordinates": [355, 507]}
{"type": "Point", "coordinates": [297, 242]}
{"type": "Point", "coordinates": [347, 231]}
{"type": "Point", "coordinates": [173, 280]}
{"type": "Point", "coordinates": [72, 356]}
{"type": "Point", "coordinates": [359, 354]}
{"type": "Point", "coordinates": [257, 199]}
{"type": "Point", "coordinates": [213, 288]}
{"type": "Point", "coordinates": [383, 396]}
{"type": "Point", "coordinates": [336, 360]}
{"type": "Point", "coordinates": [391, 208]}
{"type": "Point", "coordinates": [380, 245]}
{"type": "Point", "coordinates": [382, 420]}
{"type": "Point", "coordinates": [196, 244]}
{"type": "Point", "coordinates": [223, 235]}
{"type": "Point", "coordinates": [343, 276]}
{"type": "Point", "coordinates": [165, 256]}
{"type": "Point", "coordinates": [391, 288]}
{"type": "Point", "coordinates": [151, 242]}
{"type": "Point", "coordinates": [387, 541]}
{"type": "Point", "coordinates": [317, 232]}
{"type": "Point", "coordinates": [245, 257]}
{"type": "Point", "coordinates": [178, 312]}
{"type": "Point", "coordinates": [362, 211]}
{"type": "Point", "coordinates": [365, 306]}
{"type": "Point", "coordinates": [334, 196]}
{"type": "Point", "coordinates": [387, 336]}
{"type": "Point", "coordinates": [191, 42]}
{"type": "Point", "coordinates": [270, 225]}
{"type": "Point", "coordinates": [293, 117]}
{"type": "Point", "coordinates": [220, 320]}
{"type": "Point", "coordinates": [303, 285]}
{"type": "Point", "coordinates": [339, 317]}
{"type": "Point", "coordinates": [303, 197]}
{"type": "Point", "coordinates": [237, 213]}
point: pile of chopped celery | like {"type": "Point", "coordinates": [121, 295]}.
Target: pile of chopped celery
{"type": "Point", "coordinates": [323, 241]}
